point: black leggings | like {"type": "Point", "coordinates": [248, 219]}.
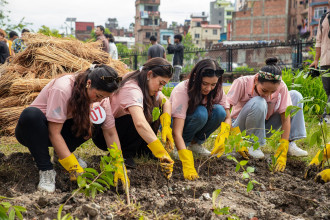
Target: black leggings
{"type": "Point", "coordinates": [131, 142]}
{"type": "Point", "coordinates": [326, 85]}
{"type": "Point", "coordinates": [32, 132]}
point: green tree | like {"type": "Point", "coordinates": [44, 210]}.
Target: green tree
{"type": "Point", "coordinates": [49, 32]}
{"type": "Point", "coordinates": [5, 22]}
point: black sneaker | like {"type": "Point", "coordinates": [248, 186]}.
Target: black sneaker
{"type": "Point", "coordinates": [130, 163]}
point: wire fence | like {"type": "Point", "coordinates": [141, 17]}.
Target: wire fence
{"type": "Point", "coordinates": [236, 58]}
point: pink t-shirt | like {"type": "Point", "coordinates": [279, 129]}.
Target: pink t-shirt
{"type": "Point", "coordinates": [54, 98]}
{"type": "Point", "coordinates": [129, 95]}
{"type": "Point", "coordinates": [179, 99]}
{"type": "Point", "coordinates": [242, 91]}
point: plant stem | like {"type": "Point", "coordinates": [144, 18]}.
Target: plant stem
{"type": "Point", "coordinates": [126, 185]}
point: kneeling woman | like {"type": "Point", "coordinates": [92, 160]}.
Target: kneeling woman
{"type": "Point", "coordinates": [60, 117]}
{"type": "Point", "coordinates": [198, 108]}
{"type": "Point", "coordinates": [259, 103]}
{"type": "Point", "coordinates": [133, 104]}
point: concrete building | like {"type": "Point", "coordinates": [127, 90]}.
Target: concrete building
{"type": "Point", "coordinates": [83, 30]}
{"type": "Point", "coordinates": [128, 41]}
{"type": "Point", "coordinates": [315, 11]}
{"type": "Point", "coordinates": [201, 15]}
{"type": "Point", "coordinates": [164, 34]}
{"type": "Point", "coordinates": [204, 34]}
{"type": "Point", "coordinates": [221, 13]}
{"type": "Point", "coordinates": [147, 20]}
{"type": "Point", "coordinates": [112, 23]}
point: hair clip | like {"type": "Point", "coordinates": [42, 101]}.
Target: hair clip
{"type": "Point", "coordinates": [92, 67]}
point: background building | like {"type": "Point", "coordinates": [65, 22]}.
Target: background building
{"type": "Point", "coordinates": [147, 20]}
{"type": "Point", "coordinates": [83, 30]}
{"type": "Point", "coordinates": [316, 9]}
{"type": "Point", "coordinates": [164, 34]}
{"type": "Point", "coordinates": [221, 13]}
{"type": "Point", "coordinates": [204, 34]}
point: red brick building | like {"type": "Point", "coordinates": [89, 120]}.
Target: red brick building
{"type": "Point", "coordinates": [316, 9]}
{"type": "Point", "coordinates": [263, 20]}
{"type": "Point", "coordinates": [83, 30]}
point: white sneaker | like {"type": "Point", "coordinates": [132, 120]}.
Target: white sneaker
{"type": "Point", "coordinates": [257, 154]}
{"type": "Point", "coordinates": [199, 149]}
{"type": "Point", "coordinates": [47, 180]}
{"type": "Point", "coordinates": [294, 150]}
{"type": "Point", "coordinates": [326, 119]}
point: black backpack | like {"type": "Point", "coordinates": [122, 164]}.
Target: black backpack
{"type": "Point", "coordinates": [321, 20]}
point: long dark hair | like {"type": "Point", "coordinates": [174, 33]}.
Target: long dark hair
{"type": "Point", "coordinates": [159, 67]}
{"type": "Point", "coordinates": [195, 85]}
{"type": "Point", "coordinates": [271, 67]}
{"type": "Point", "coordinates": [103, 78]}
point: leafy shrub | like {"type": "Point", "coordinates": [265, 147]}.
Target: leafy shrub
{"type": "Point", "coordinates": [244, 69]}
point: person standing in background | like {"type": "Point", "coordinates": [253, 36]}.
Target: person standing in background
{"type": "Point", "coordinates": [322, 48]}
{"type": "Point", "coordinates": [4, 51]}
{"type": "Point", "coordinates": [177, 50]}
{"type": "Point", "coordinates": [12, 36]}
{"type": "Point", "coordinates": [112, 46]}
{"type": "Point", "coordinates": [156, 50]}
{"type": "Point", "coordinates": [18, 44]}
{"type": "Point", "coordinates": [99, 31]}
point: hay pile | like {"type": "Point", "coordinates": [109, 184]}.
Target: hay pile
{"type": "Point", "coordinates": [44, 58]}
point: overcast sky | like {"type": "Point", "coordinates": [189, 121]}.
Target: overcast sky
{"type": "Point", "coordinates": [53, 13]}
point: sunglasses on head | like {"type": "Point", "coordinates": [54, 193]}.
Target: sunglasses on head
{"type": "Point", "coordinates": [110, 79]}
{"type": "Point", "coordinates": [211, 72]}
{"type": "Point", "coordinates": [166, 66]}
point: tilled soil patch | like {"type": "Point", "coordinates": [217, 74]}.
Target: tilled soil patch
{"type": "Point", "coordinates": [279, 196]}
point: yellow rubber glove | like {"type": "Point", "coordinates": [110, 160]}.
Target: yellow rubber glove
{"type": "Point", "coordinates": [219, 144]}
{"type": "Point", "coordinates": [315, 164]}
{"type": "Point", "coordinates": [323, 177]}
{"type": "Point", "coordinates": [243, 151]}
{"type": "Point", "coordinates": [119, 174]}
{"type": "Point", "coordinates": [165, 120]}
{"type": "Point", "coordinates": [71, 164]}
{"type": "Point", "coordinates": [187, 159]}
{"type": "Point", "coordinates": [282, 151]}
{"type": "Point", "coordinates": [166, 162]}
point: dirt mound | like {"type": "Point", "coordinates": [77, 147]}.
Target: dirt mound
{"type": "Point", "coordinates": [279, 196]}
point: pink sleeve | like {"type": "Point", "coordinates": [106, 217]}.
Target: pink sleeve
{"type": "Point", "coordinates": [285, 99]}
{"type": "Point", "coordinates": [109, 120]}
{"type": "Point", "coordinates": [130, 96]}
{"type": "Point", "coordinates": [235, 93]}
{"type": "Point", "coordinates": [223, 101]}
{"type": "Point", "coordinates": [57, 105]}
{"type": "Point", "coordinates": [179, 99]}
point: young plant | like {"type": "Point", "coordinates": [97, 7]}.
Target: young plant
{"type": "Point", "coordinates": [92, 181]}
{"type": "Point", "coordinates": [217, 206]}
{"type": "Point", "coordinates": [66, 217]}
{"type": "Point", "coordinates": [9, 211]}
{"type": "Point", "coordinates": [156, 111]}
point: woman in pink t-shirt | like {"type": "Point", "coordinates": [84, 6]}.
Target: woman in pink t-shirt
{"type": "Point", "coordinates": [259, 102]}
{"type": "Point", "coordinates": [198, 108]}
{"type": "Point", "coordinates": [68, 111]}
{"type": "Point", "coordinates": [133, 105]}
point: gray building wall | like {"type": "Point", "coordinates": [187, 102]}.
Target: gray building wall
{"type": "Point", "coordinates": [217, 15]}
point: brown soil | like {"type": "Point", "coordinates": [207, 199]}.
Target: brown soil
{"type": "Point", "coordinates": [279, 196]}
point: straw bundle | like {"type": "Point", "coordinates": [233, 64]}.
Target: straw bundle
{"type": "Point", "coordinates": [9, 115]}
{"type": "Point", "coordinates": [25, 85]}
{"type": "Point", "coordinates": [44, 58]}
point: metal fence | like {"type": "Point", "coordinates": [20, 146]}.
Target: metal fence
{"type": "Point", "coordinates": [237, 58]}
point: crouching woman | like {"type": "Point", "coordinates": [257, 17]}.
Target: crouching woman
{"type": "Point", "coordinates": [259, 103]}
{"type": "Point", "coordinates": [198, 108]}
{"type": "Point", "coordinates": [60, 117]}
{"type": "Point", "coordinates": [133, 105]}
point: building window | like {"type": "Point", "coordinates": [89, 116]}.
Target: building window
{"type": "Point", "coordinates": [219, 22]}
{"type": "Point", "coordinates": [220, 13]}
{"type": "Point", "coordinates": [89, 28]}
{"type": "Point", "coordinates": [196, 35]}
{"type": "Point", "coordinates": [228, 13]}
{"type": "Point", "coordinates": [151, 8]}
{"type": "Point", "coordinates": [196, 41]}
{"type": "Point", "coordinates": [318, 12]}
{"type": "Point", "coordinates": [205, 31]}
{"type": "Point", "coordinates": [215, 32]}
{"type": "Point", "coordinates": [315, 30]}
{"type": "Point", "coordinates": [198, 24]}
{"type": "Point", "coordinates": [165, 37]}
{"type": "Point", "coordinates": [148, 35]}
